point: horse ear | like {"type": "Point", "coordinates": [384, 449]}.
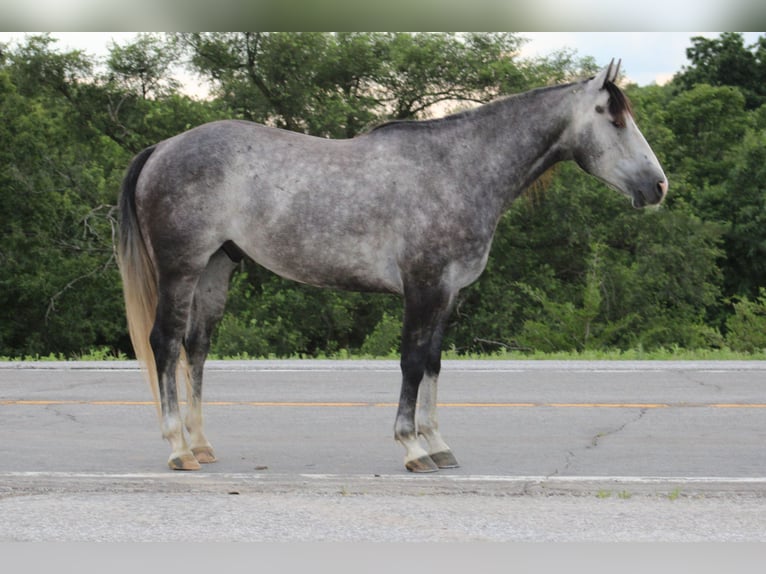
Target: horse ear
{"type": "Point", "coordinates": [604, 76]}
{"type": "Point", "coordinates": [616, 71]}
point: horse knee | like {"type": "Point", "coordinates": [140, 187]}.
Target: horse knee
{"type": "Point", "coordinates": [413, 364]}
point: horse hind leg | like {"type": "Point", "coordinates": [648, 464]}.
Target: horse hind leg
{"type": "Point", "coordinates": [173, 308]}
{"type": "Point", "coordinates": [207, 309]}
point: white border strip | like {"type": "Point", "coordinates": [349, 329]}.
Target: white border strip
{"type": "Point", "coordinates": [445, 478]}
{"type": "Point", "coordinates": [393, 365]}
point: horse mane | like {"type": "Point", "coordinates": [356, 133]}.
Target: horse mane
{"type": "Point", "coordinates": [414, 123]}
{"type": "Point", "coordinates": [619, 104]}
{"type": "Point", "coordinates": [482, 108]}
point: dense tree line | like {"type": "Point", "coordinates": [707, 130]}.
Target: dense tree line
{"type": "Point", "coordinates": [573, 266]}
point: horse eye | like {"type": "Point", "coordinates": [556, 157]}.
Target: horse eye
{"type": "Point", "coordinates": [600, 109]}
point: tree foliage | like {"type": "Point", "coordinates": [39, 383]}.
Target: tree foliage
{"type": "Point", "coordinates": [726, 61]}
{"type": "Point", "coordinates": [337, 85]}
{"type": "Point", "coordinates": [573, 266]}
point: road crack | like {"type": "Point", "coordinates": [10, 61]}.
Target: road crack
{"type": "Point", "coordinates": [602, 435]}
{"type": "Point", "coordinates": [705, 385]}
{"type": "Point", "coordinates": [595, 442]}
{"type": "Point", "coordinates": [60, 413]}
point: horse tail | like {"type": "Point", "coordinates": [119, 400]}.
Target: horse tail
{"type": "Point", "coordinates": [139, 276]}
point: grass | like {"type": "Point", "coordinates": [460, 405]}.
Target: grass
{"type": "Point", "coordinates": [98, 354]}
{"type": "Point", "coordinates": [674, 494]}
{"type": "Point", "coordinates": [671, 354]}
{"type": "Point", "coordinates": [622, 495]}
{"type": "Point", "coordinates": [676, 354]}
{"type": "Point", "coordinates": [639, 354]}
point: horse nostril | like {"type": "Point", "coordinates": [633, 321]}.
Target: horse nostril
{"type": "Point", "coordinates": [662, 187]}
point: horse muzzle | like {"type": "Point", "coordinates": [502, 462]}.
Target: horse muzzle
{"type": "Point", "coordinates": [651, 195]}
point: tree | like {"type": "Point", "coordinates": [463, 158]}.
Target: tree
{"type": "Point", "coordinates": [426, 69]}
{"type": "Point", "coordinates": [746, 328]}
{"type": "Point", "coordinates": [292, 80]}
{"type": "Point", "coordinates": [36, 64]}
{"type": "Point", "coordinates": [64, 146]}
{"type": "Point", "coordinates": [707, 123]}
{"type": "Point", "coordinates": [347, 103]}
{"type": "Point", "coordinates": [726, 61]}
{"type": "Point", "coordinates": [268, 78]}
{"type": "Point", "coordinates": [58, 291]}
{"type": "Point", "coordinates": [144, 66]}
{"type": "Point", "coordinates": [738, 205]}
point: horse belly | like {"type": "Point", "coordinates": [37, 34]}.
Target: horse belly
{"type": "Point", "coordinates": [321, 265]}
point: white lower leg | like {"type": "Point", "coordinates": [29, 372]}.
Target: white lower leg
{"type": "Point", "coordinates": [428, 424]}
{"type": "Point", "coordinates": [416, 458]}
{"type": "Point", "coordinates": [415, 450]}
{"type": "Point", "coordinates": [181, 458]}
{"type": "Point", "coordinates": [200, 446]}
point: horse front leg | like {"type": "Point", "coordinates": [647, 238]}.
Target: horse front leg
{"type": "Point", "coordinates": [425, 316]}
{"type": "Point", "coordinates": [416, 458]}
{"type": "Point", "coordinates": [428, 425]}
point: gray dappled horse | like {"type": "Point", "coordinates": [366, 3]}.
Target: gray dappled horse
{"type": "Point", "coordinates": [408, 208]}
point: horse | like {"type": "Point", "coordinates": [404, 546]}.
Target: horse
{"type": "Point", "coordinates": [408, 208]}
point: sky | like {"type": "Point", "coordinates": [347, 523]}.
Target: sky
{"type": "Point", "coordinates": [647, 57]}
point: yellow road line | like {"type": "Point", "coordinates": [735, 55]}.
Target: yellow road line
{"type": "Point", "coordinates": [296, 404]}
{"type": "Point", "coordinates": [51, 402]}
{"type": "Point", "coordinates": [738, 406]}
{"type": "Point", "coordinates": [611, 405]}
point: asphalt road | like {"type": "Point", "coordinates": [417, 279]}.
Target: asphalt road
{"type": "Point", "coordinates": [557, 451]}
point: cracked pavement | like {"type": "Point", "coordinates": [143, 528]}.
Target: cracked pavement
{"type": "Point", "coordinates": [548, 451]}
{"type": "Point", "coordinates": [596, 440]}
{"type": "Point", "coordinates": [515, 418]}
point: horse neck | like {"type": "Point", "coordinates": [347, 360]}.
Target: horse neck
{"type": "Point", "coordinates": [519, 138]}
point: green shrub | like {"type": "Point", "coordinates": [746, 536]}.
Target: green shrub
{"type": "Point", "coordinates": [746, 329]}
{"type": "Point", "coordinates": [384, 339]}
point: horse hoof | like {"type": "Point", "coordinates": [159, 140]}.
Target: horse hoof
{"type": "Point", "coordinates": [444, 459]}
{"type": "Point", "coordinates": [204, 454]}
{"type": "Point", "coordinates": [421, 465]}
{"type": "Point", "coordinates": [184, 462]}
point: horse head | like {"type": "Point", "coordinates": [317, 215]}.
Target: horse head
{"type": "Point", "coordinates": [608, 144]}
